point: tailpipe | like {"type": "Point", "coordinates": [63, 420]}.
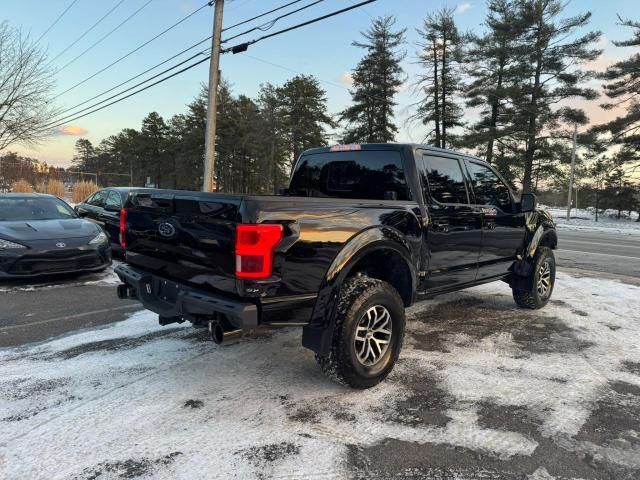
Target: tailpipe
{"type": "Point", "coordinates": [219, 334]}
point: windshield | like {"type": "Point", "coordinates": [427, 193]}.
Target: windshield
{"type": "Point", "coordinates": [30, 209]}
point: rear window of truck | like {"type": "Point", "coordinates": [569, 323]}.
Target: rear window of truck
{"type": "Point", "coordinates": [363, 174]}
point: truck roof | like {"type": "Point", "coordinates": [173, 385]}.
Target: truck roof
{"type": "Point", "coordinates": [393, 146]}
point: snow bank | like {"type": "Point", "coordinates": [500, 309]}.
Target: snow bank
{"type": "Point", "coordinates": [584, 220]}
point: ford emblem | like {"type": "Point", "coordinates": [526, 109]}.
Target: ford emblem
{"type": "Point", "coordinates": [166, 230]}
{"type": "Point", "coordinates": [61, 244]}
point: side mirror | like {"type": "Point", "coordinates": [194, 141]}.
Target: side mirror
{"type": "Point", "coordinates": [528, 202]}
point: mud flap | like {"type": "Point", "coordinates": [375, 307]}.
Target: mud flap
{"type": "Point", "coordinates": [522, 278]}
{"type": "Point", "coordinates": [318, 338]}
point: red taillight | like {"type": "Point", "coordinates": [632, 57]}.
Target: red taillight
{"type": "Point", "coordinates": [123, 228]}
{"type": "Point", "coordinates": [254, 249]}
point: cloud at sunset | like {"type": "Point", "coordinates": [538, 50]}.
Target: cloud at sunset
{"type": "Point", "coordinates": [71, 130]}
{"type": "Point", "coordinates": [346, 79]}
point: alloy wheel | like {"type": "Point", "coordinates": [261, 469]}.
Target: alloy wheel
{"type": "Point", "coordinates": [544, 279]}
{"type": "Point", "coordinates": [373, 335]}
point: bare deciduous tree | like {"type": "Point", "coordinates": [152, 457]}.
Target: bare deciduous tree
{"type": "Point", "coordinates": [26, 84]}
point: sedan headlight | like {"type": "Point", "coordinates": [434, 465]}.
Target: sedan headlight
{"type": "Point", "coordinates": [98, 239]}
{"type": "Point", "coordinates": [7, 244]}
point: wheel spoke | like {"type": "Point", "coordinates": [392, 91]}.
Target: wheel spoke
{"type": "Point", "coordinates": [364, 347]}
{"type": "Point", "coordinates": [383, 331]}
{"type": "Point", "coordinates": [374, 342]}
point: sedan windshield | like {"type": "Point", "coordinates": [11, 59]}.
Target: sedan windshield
{"type": "Point", "coordinates": [31, 209]}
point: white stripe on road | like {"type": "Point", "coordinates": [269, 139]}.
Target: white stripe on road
{"type": "Point", "coordinates": [67, 317]}
{"type": "Point", "coordinates": [560, 250]}
{"type": "Point", "coordinates": [598, 243]}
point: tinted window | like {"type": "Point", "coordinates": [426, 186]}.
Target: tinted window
{"type": "Point", "coordinates": [376, 175]}
{"type": "Point", "coordinates": [29, 209]}
{"type": "Point", "coordinates": [488, 188]}
{"type": "Point", "coordinates": [113, 200]}
{"type": "Point", "coordinates": [98, 199]}
{"type": "Point", "coordinates": [445, 180]}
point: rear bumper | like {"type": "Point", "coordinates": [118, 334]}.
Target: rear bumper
{"type": "Point", "coordinates": [171, 299]}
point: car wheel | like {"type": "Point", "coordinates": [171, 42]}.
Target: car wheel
{"type": "Point", "coordinates": [542, 282]}
{"type": "Point", "coordinates": [368, 333]}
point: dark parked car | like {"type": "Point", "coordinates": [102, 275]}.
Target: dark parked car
{"type": "Point", "coordinates": [41, 235]}
{"type": "Point", "coordinates": [103, 208]}
{"type": "Point", "coordinates": [362, 232]}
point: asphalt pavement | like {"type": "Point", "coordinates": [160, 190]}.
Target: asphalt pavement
{"type": "Point", "coordinates": [610, 253]}
{"type": "Point", "coordinates": [33, 312]}
{"type": "Point", "coordinates": [37, 311]}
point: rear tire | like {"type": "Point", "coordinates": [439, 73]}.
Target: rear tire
{"type": "Point", "coordinates": [368, 333]}
{"type": "Point", "coordinates": [542, 280]}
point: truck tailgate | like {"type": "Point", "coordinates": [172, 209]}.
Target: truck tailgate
{"type": "Point", "coordinates": [185, 236]}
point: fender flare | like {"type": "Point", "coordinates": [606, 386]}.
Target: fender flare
{"type": "Point", "coordinates": [318, 334]}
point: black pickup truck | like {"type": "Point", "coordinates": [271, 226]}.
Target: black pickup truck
{"type": "Point", "coordinates": [362, 232]}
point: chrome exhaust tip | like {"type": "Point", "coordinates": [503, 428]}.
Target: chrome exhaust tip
{"type": "Point", "coordinates": [219, 335]}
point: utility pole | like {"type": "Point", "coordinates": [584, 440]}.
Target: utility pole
{"type": "Point", "coordinates": [573, 170]}
{"type": "Point", "coordinates": [212, 107]}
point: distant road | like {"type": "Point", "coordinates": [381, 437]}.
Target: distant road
{"type": "Point", "coordinates": [612, 253]}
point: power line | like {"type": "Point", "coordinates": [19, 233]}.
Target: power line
{"type": "Point", "coordinates": [322, 80]}
{"type": "Point", "coordinates": [271, 23]}
{"type": "Point", "coordinates": [208, 4]}
{"type": "Point", "coordinates": [101, 39]}
{"type": "Point", "coordinates": [140, 74]}
{"type": "Point", "coordinates": [61, 119]}
{"type": "Point", "coordinates": [76, 117]}
{"type": "Point", "coordinates": [57, 20]}
{"type": "Point", "coordinates": [131, 94]}
{"type": "Point", "coordinates": [243, 46]}
{"type": "Point", "coordinates": [178, 54]}
{"type": "Point", "coordinates": [87, 31]}
{"type": "Point", "coordinates": [261, 15]}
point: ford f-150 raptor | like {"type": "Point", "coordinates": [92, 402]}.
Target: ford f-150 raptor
{"type": "Point", "coordinates": [362, 232]}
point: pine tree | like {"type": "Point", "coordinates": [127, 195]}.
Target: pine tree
{"type": "Point", "coordinates": [304, 113]}
{"type": "Point", "coordinates": [153, 141]}
{"type": "Point", "coordinates": [376, 80]}
{"type": "Point", "coordinates": [494, 74]}
{"type": "Point", "coordinates": [274, 158]}
{"type": "Point", "coordinates": [623, 88]}
{"type": "Point", "coordinates": [84, 155]}
{"type": "Point", "coordinates": [439, 55]}
{"type": "Point", "coordinates": [550, 69]}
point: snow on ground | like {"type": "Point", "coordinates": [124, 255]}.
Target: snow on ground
{"type": "Point", "coordinates": [585, 220]}
{"type": "Point", "coordinates": [482, 390]}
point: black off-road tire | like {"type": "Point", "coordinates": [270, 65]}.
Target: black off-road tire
{"type": "Point", "coordinates": [358, 295]}
{"type": "Point", "coordinates": [532, 298]}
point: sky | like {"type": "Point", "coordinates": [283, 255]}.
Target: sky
{"type": "Point", "coordinates": [324, 50]}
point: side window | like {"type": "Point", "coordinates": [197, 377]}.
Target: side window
{"type": "Point", "coordinates": [488, 188]}
{"type": "Point", "coordinates": [113, 200]}
{"type": "Point", "coordinates": [445, 180]}
{"type": "Point", "coordinates": [98, 199]}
